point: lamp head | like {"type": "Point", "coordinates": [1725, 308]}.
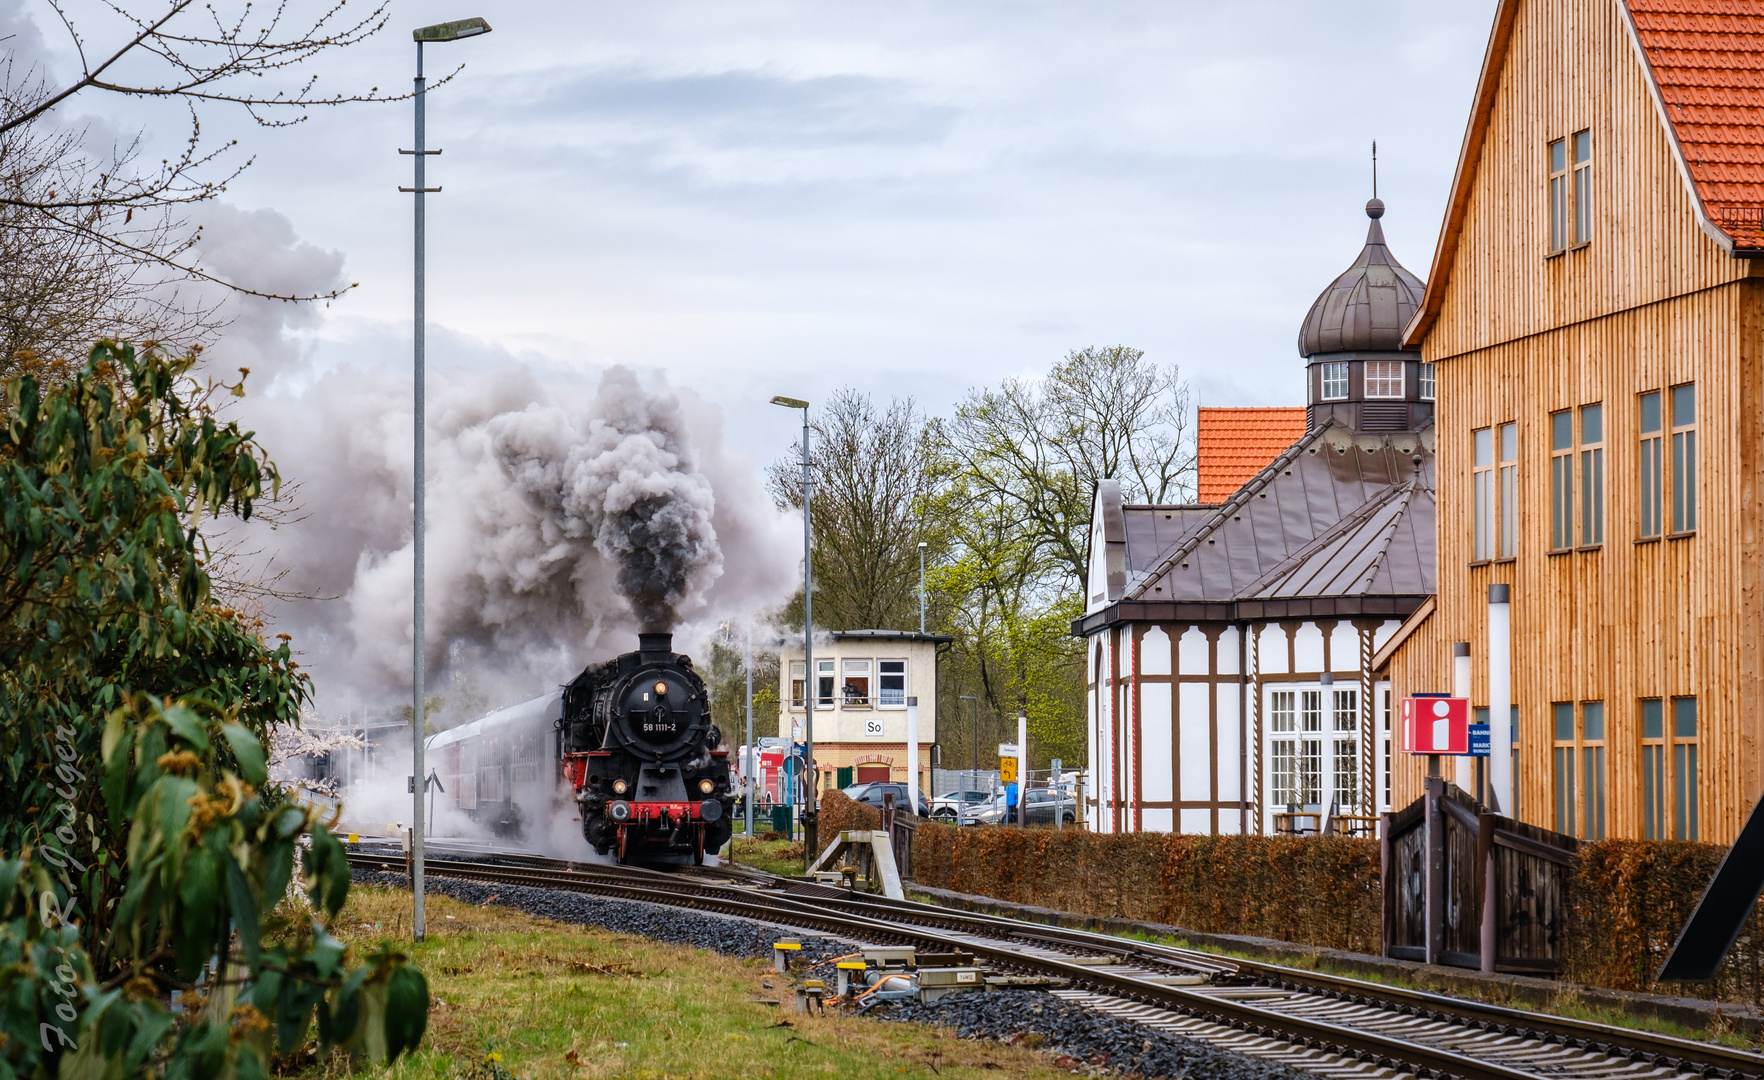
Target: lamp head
{"type": "Point", "coordinates": [790, 402]}
{"type": "Point", "coordinates": [451, 31]}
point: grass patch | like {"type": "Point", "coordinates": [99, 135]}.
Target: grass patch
{"type": "Point", "coordinates": [561, 1001]}
{"type": "Point", "coordinates": [774, 856]}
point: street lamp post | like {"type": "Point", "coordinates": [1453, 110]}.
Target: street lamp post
{"type": "Point", "coordinates": [921, 586]}
{"type": "Point", "coordinates": [808, 637]}
{"type": "Point", "coordinates": [452, 31]}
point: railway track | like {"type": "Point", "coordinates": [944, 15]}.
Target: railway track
{"type": "Point", "coordinates": [1325, 1024]}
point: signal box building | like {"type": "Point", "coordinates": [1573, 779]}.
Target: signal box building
{"type": "Point", "coordinates": [1230, 642]}
{"type": "Point", "coordinates": [861, 684]}
{"type": "Point", "coordinates": [1596, 317]}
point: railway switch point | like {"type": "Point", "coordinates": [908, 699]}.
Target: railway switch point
{"type": "Point", "coordinates": [845, 969]}
{"type": "Point", "coordinates": [781, 951]}
{"type": "Point", "coordinates": [811, 997]}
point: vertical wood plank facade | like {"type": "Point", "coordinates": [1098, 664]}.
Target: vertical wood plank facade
{"type": "Point", "coordinates": [1651, 302]}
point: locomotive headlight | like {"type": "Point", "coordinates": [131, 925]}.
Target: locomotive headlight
{"type": "Point", "coordinates": [620, 811]}
{"type": "Point", "coordinates": [707, 786]}
{"type": "Point", "coordinates": [661, 689]}
{"type": "Point", "coordinates": [620, 787]}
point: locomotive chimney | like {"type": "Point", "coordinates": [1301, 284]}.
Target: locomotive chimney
{"type": "Point", "coordinates": [656, 648]}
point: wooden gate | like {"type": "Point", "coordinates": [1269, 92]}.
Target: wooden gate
{"type": "Point", "coordinates": [1468, 888]}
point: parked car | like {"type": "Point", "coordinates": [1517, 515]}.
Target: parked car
{"type": "Point", "coordinates": [871, 795]}
{"type": "Point", "coordinates": [955, 804]}
{"type": "Point", "coordinates": [1041, 809]}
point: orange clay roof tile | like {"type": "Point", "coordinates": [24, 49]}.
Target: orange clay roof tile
{"type": "Point", "coordinates": [1233, 445]}
{"type": "Point", "coordinates": [1707, 57]}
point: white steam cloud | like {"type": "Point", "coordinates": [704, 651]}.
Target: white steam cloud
{"type": "Point", "coordinates": [562, 517]}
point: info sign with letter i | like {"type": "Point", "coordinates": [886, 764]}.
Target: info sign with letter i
{"type": "Point", "coordinates": [1436, 725]}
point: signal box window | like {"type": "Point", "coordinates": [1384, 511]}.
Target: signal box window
{"type": "Point", "coordinates": [797, 671]}
{"type": "Point", "coordinates": [856, 689]}
{"type": "Point", "coordinates": [891, 680]}
{"type": "Point", "coordinates": [824, 679]}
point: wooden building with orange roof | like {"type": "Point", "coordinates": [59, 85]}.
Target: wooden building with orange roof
{"type": "Point", "coordinates": [1595, 316]}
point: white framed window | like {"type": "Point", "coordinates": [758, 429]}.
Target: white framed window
{"type": "Point", "coordinates": [1335, 381]}
{"type": "Point", "coordinates": [891, 684]}
{"type": "Point", "coordinates": [825, 678]}
{"type": "Point", "coordinates": [1384, 378]}
{"type": "Point", "coordinates": [854, 683]}
{"type": "Point", "coordinates": [798, 671]}
{"type": "Point", "coordinates": [1424, 383]}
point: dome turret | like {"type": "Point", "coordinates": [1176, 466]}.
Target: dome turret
{"type": "Point", "coordinates": [1369, 306]}
{"type": "Point", "coordinates": [1358, 372]}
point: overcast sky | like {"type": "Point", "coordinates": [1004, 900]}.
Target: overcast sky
{"type": "Point", "coordinates": [913, 198]}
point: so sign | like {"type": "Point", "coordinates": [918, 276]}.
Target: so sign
{"type": "Point", "coordinates": [1436, 725]}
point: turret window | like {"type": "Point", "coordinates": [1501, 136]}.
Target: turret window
{"type": "Point", "coordinates": [1335, 381]}
{"type": "Point", "coordinates": [1424, 382]}
{"type": "Point", "coordinates": [1384, 378]}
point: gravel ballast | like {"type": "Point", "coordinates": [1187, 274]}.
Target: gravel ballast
{"type": "Point", "coordinates": [716, 933]}
{"type": "Point", "coordinates": [1079, 1038]}
{"type": "Point", "coordinates": [1085, 1038]}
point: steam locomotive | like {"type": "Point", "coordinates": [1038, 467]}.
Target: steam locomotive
{"type": "Point", "coordinates": [640, 752]}
{"type": "Point", "coordinates": [633, 740]}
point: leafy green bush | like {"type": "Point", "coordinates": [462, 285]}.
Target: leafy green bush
{"type": "Point", "coordinates": [142, 852]}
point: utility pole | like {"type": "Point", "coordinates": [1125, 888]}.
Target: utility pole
{"type": "Point", "coordinates": [811, 778]}
{"type": "Point", "coordinates": [752, 763]}
{"type": "Point", "coordinates": [921, 586]}
{"type": "Point", "coordinates": [440, 32]}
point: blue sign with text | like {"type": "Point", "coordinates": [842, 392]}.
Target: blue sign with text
{"type": "Point", "coordinates": [1478, 740]}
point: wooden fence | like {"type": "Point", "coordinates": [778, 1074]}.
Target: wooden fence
{"type": "Point", "coordinates": [1468, 888]}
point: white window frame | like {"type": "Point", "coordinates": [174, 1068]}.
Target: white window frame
{"type": "Point", "coordinates": [1426, 381]}
{"type": "Point", "coordinates": [861, 667]}
{"type": "Point", "coordinates": [798, 684]}
{"type": "Point", "coordinates": [827, 669]}
{"type": "Point", "coordinates": [880, 674]}
{"type": "Point", "coordinates": [1334, 375]}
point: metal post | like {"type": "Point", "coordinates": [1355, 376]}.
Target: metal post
{"type": "Point", "coordinates": [417, 678]}
{"type": "Point", "coordinates": [976, 772]}
{"type": "Point", "coordinates": [1500, 699]}
{"type": "Point", "coordinates": [811, 777]}
{"type": "Point", "coordinates": [921, 586]}
{"type": "Point", "coordinates": [1022, 769]}
{"type": "Point", "coordinates": [912, 754]}
{"type": "Point", "coordinates": [1466, 766]}
{"type": "Point", "coordinates": [752, 752]}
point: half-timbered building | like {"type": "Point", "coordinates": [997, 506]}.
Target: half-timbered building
{"type": "Point", "coordinates": [1229, 642]}
{"type": "Point", "coordinates": [1594, 313]}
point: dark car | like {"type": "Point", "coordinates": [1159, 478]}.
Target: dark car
{"type": "Point", "coordinates": [871, 795]}
{"type": "Point", "coordinates": [1043, 805]}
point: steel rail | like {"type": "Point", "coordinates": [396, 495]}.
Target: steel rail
{"type": "Point", "coordinates": [1627, 1043]}
{"type": "Point", "coordinates": [1422, 1060]}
